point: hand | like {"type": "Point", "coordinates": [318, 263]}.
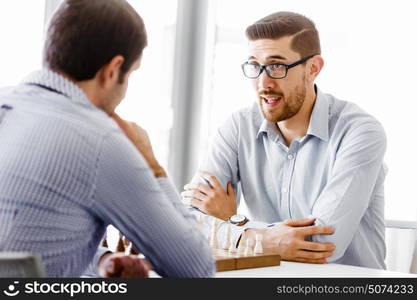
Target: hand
{"type": "Point", "coordinates": [119, 265]}
{"type": "Point", "coordinates": [212, 200]}
{"type": "Point", "coordinates": [288, 239]}
{"type": "Point", "coordinates": [139, 137]}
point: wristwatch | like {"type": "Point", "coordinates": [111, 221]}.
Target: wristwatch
{"type": "Point", "coordinates": [238, 220]}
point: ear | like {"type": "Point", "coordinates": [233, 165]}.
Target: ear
{"type": "Point", "coordinates": [109, 74]}
{"type": "Point", "coordinates": [316, 64]}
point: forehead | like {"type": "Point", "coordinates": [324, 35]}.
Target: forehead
{"type": "Point", "coordinates": [265, 49]}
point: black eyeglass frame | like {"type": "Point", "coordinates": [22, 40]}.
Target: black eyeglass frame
{"type": "Point", "coordinates": [264, 67]}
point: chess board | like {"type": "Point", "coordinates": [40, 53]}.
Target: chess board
{"type": "Point", "coordinates": [226, 261]}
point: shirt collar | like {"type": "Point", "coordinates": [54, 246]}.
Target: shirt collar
{"type": "Point", "coordinates": [270, 128]}
{"type": "Point", "coordinates": [55, 81]}
{"type": "Point", "coordinates": [319, 120]}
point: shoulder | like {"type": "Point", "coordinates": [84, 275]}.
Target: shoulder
{"type": "Point", "coordinates": [349, 119]}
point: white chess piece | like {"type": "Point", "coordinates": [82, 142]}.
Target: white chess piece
{"type": "Point", "coordinates": [128, 247]}
{"type": "Point", "coordinates": [232, 248]}
{"type": "Point", "coordinates": [258, 244]}
{"type": "Point", "coordinates": [240, 248]}
{"type": "Point", "coordinates": [229, 240]}
{"type": "Point", "coordinates": [248, 249]}
{"type": "Point", "coordinates": [214, 242]}
{"type": "Point", "coordinates": [200, 220]}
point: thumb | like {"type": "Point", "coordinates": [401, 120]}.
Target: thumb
{"type": "Point", "coordinates": [299, 222]}
{"type": "Point", "coordinates": [230, 190]}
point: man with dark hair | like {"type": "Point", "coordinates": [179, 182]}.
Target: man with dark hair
{"type": "Point", "coordinates": [310, 166]}
{"type": "Point", "coordinates": [70, 166]}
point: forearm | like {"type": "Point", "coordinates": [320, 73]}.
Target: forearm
{"type": "Point", "coordinates": [148, 212]}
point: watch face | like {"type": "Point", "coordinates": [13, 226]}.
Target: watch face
{"type": "Point", "coordinates": [237, 218]}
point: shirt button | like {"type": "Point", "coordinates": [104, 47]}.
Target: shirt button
{"type": "Point", "coordinates": [290, 156]}
{"type": "Point", "coordinates": [284, 190]}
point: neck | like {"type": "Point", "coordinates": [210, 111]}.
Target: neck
{"type": "Point", "coordinates": [296, 127]}
{"type": "Point", "coordinates": [87, 86]}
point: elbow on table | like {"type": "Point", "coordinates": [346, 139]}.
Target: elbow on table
{"type": "Point", "coordinates": [341, 245]}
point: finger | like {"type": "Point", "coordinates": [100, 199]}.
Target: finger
{"type": "Point", "coordinates": [146, 264]}
{"type": "Point", "coordinates": [194, 194]}
{"type": "Point", "coordinates": [313, 254]}
{"type": "Point", "coordinates": [315, 246]}
{"type": "Point", "coordinates": [140, 270]}
{"type": "Point", "coordinates": [122, 123]}
{"type": "Point", "coordinates": [113, 267]}
{"type": "Point", "coordinates": [310, 261]}
{"type": "Point", "coordinates": [230, 190]}
{"type": "Point", "coordinates": [196, 203]}
{"type": "Point", "coordinates": [212, 180]}
{"type": "Point", "coordinates": [128, 266]}
{"type": "Point", "coordinates": [312, 230]}
{"type": "Point", "coordinates": [199, 187]}
{"type": "Point", "coordinates": [299, 222]}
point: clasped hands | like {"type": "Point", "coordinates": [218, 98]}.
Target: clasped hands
{"type": "Point", "coordinates": [289, 238]}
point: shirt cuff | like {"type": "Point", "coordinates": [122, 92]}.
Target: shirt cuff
{"type": "Point", "coordinates": [92, 269]}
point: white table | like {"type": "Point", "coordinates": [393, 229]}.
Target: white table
{"type": "Point", "coordinates": [293, 269]}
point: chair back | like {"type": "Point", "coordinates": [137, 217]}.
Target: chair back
{"type": "Point", "coordinates": [21, 264]}
{"type": "Point", "coordinates": [401, 242]}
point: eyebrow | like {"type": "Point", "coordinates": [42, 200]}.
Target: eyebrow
{"type": "Point", "coordinates": [270, 57]}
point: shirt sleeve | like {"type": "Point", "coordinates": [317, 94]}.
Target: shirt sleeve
{"type": "Point", "coordinates": [221, 160]}
{"type": "Point", "coordinates": [344, 200]}
{"type": "Point", "coordinates": [92, 269]}
{"type": "Point", "coordinates": [148, 212]}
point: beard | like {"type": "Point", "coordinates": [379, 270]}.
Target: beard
{"type": "Point", "coordinates": [288, 106]}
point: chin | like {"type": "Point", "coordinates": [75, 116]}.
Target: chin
{"type": "Point", "coordinates": [270, 117]}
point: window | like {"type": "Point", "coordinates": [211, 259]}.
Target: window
{"type": "Point", "coordinates": [148, 98]}
{"type": "Point", "coordinates": [21, 31]}
{"type": "Point", "coordinates": [359, 39]}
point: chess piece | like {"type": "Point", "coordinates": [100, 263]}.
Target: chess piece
{"type": "Point", "coordinates": [128, 245]}
{"type": "Point", "coordinates": [133, 251]}
{"type": "Point", "coordinates": [232, 248]}
{"type": "Point", "coordinates": [248, 249]}
{"type": "Point", "coordinates": [240, 249]}
{"type": "Point", "coordinates": [104, 243]}
{"type": "Point", "coordinates": [258, 244]}
{"type": "Point", "coordinates": [120, 244]}
{"type": "Point", "coordinates": [126, 242]}
{"type": "Point", "coordinates": [214, 242]}
{"type": "Point", "coordinates": [229, 239]}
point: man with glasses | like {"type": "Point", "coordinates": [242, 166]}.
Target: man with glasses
{"type": "Point", "coordinates": [310, 166]}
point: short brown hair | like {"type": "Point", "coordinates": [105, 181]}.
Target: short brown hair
{"type": "Point", "coordinates": [84, 35]}
{"type": "Point", "coordinates": [306, 37]}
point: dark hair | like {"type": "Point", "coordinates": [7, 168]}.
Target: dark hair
{"type": "Point", "coordinates": [84, 35]}
{"type": "Point", "coordinates": [306, 37]}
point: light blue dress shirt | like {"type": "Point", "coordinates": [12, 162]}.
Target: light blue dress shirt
{"type": "Point", "coordinates": [67, 171]}
{"type": "Point", "coordinates": [334, 173]}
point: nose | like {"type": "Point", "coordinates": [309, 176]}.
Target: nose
{"type": "Point", "coordinates": [265, 82]}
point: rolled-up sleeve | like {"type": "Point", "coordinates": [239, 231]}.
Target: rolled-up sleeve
{"type": "Point", "coordinates": [346, 197]}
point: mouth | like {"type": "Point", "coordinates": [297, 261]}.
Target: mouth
{"type": "Point", "coordinates": [271, 101]}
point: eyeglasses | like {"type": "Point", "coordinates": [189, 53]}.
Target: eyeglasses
{"type": "Point", "coordinates": [275, 70]}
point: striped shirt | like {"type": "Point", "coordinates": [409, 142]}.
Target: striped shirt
{"type": "Point", "coordinates": [67, 171]}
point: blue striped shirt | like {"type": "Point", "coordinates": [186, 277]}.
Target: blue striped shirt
{"type": "Point", "coordinates": [67, 171]}
{"type": "Point", "coordinates": [334, 173]}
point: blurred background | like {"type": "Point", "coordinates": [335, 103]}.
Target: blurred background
{"type": "Point", "coordinates": [190, 78]}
